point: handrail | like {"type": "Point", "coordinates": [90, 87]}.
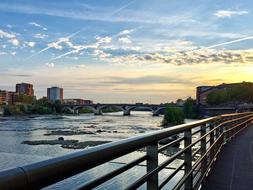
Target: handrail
{"type": "Point", "coordinates": [45, 173]}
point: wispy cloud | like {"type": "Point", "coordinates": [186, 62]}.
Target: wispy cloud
{"type": "Point", "coordinates": [3, 53]}
{"type": "Point", "coordinates": [11, 37]}
{"type": "Point", "coordinates": [30, 44]}
{"type": "Point", "coordinates": [149, 79]}
{"type": "Point", "coordinates": [37, 25]}
{"type": "Point", "coordinates": [16, 75]}
{"type": "Point", "coordinates": [99, 40]}
{"type": "Point", "coordinates": [54, 44]}
{"type": "Point", "coordinates": [122, 8]}
{"type": "Point", "coordinates": [50, 65]}
{"type": "Point", "coordinates": [125, 32]}
{"type": "Point", "coordinates": [40, 36]}
{"type": "Point", "coordinates": [4, 34]}
{"type": "Point", "coordinates": [125, 40]}
{"type": "Point", "coordinates": [229, 13]}
{"type": "Point", "coordinates": [97, 14]}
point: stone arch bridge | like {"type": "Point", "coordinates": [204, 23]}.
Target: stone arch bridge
{"type": "Point", "coordinates": [156, 109]}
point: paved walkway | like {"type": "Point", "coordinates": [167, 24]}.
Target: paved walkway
{"type": "Point", "coordinates": [233, 169]}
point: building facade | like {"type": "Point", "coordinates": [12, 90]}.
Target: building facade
{"type": "Point", "coordinates": [3, 97]}
{"type": "Point", "coordinates": [25, 88]}
{"type": "Point", "coordinates": [55, 93]}
{"type": "Point", "coordinates": [7, 97]}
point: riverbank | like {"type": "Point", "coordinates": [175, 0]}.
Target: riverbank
{"type": "Point", "coordinates": [48, 109]}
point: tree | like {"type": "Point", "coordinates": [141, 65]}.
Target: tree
{"type": "Point", "coordinates": [240, 93]}
{"type": "Point", "coordinates": [173, 116]}
{"type": "Point", "coordinates": [190, 108]}
{"type": "Point", "coordinates": [25, 99]}
{"type": "Point", "coordinates": [57, 106]}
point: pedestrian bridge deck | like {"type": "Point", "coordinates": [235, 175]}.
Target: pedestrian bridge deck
{"type": "Point", "coordinates": [200, 142]}
{"type": "Point", "coordinates": [233, 169]}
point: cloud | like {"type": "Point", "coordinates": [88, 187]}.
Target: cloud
{"type": "Point", "coordinates": [40, 36]}
{"type": "Point", "coordinates": [229, 13]}
{"type": "Point", "coordinates": [150, 79]}
{"type": "Point", "coordinates": [14, 41]}
{"type": "Point", "coordinates": [30, 44]}
{"type": "Point", "coordinates": [100, 53]}
{"type": "Point", "coordinates": [78, 48]}
{"type": "Point", "coordinates": [2, 53]}
{"type": "Point", "coordinates": [125, 40]}
{"type": "Point", "coordinates": [125, 32]}
{"type": "Point", "coordinates": [122, 8]}
{"type": "Point", "coordinates": [35, 24]}
{"type": "Point", "coordinates": [16, 75]}
{"type": "Point", "coordinates": [103, 40]}
{"type": "Point", "coordinates": [10, 36]}
{"type": "Point", "coordinates": [4, 34]}
{"type": "Point", "coordinates": [13, 53]}
{"type": "Point", "coordinates": [98, 14]}
{"type": "Point", "coordinates": [55, 44]}
{"type": "Point", "coordinates": [204, 56]}
{"type": "Point", "coordinates": [50, 65]}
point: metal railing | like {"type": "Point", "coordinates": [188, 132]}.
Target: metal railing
{"type": "Point", "coordinates": [200, 142]}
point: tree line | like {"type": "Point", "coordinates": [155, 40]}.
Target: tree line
{"type": "Point", "coordinates": [236, 94]}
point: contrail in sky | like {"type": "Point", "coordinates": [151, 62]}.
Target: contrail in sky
{"type": "Point", "coordinates": [222, 44]}
{"type": "Point", "coordinates": [121, 8]}
{"type": "Point", "coordinates": [230, 42]}
{"type": "Point", "coordinates": [57, 42]}
{"type": "Point", "coordinates": [112, 14]}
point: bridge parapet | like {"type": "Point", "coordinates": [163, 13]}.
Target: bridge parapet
{"type": "Point", "coordinates": [200, 143]}
{"type": "Point", "coordinates": [125, 108]}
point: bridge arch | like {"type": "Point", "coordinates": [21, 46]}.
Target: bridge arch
{"type": "Point", "coordinates": [121, 108]}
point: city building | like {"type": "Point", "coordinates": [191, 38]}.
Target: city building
{"type": "Point", "coordinates": [203, 91]}
{"type": "Point", "coordinates": [25, 88]}
{"type": "Point", "coordinates": [55, 93]}
{"type": "Point", "coordinates": [7, 97]}
{"type": "Point", "coordinates": [3, 97]}
{"type": "Point", "coordinates": [12, 98]}
{"type": "Point", "coordinates": [77, 102]}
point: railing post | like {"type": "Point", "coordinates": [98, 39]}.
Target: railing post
{"type": "Point", "coordinates": [152, 163]}
{"type": "Point", "coordinates": [188, 158]}
{"type": "Point", "coordinates": [203, 150]}
{"type": "Point", "coordinates": [212, 125]}
{"type": "Point", "coordinates": [223, 131]}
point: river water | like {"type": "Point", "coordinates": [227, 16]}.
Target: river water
{"type": "Point", "coordinates": [114, 127]}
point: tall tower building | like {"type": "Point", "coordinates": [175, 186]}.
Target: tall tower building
{"type": "Point", "coordinates": [25, 88]}
{"type": "Point", "coordinates": [55, 93]}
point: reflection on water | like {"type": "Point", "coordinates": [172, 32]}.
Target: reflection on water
{"type": "Point", "coordinates": [109, 127]}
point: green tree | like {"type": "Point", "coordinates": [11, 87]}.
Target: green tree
{"type": "Point", "coordinates": [22, 98]}
{"type": "Point", "coordinates": [57, 106]}
{"type": "Point", "coordinates": [240, 93]}
{"type": "Point", "coordinates": [173, 116]}
{"type": "Point", "coordinates": [190, 108]}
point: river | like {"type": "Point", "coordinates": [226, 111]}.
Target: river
{"type": "Point", "coordinates": [109, 127]}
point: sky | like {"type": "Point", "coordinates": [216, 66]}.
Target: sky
{"type": "Point", "coordinates": [151, 51]}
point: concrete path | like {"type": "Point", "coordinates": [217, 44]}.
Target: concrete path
{"type": "Point", "coordinates": [233, 169]}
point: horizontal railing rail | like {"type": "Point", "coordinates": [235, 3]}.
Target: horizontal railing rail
{"type": "Point", "coordinates": [199, 144]}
